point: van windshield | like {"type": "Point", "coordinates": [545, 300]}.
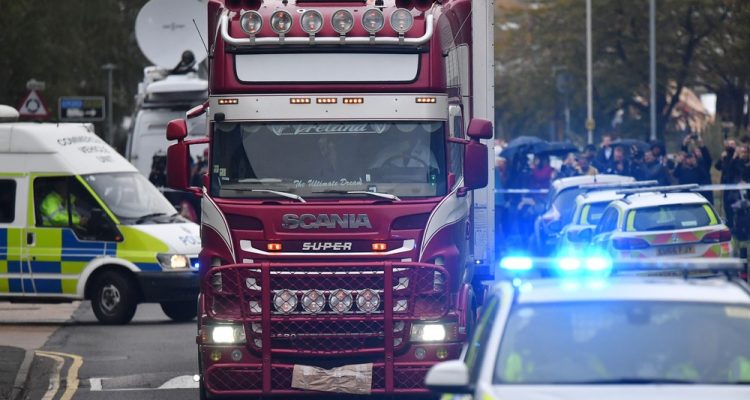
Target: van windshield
{"type": "Point", "coordinates": [131, 197]}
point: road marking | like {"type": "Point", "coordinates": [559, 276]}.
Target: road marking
{"type": "Point", "coordinates": [72, 378]}
{"type": "Point", "coordinates": [180, 382]}
{"type": "Point", "coordinates": [54, 379]}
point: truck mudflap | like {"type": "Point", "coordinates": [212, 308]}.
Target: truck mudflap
{"type": "Point", "coordinates": [324, 319]}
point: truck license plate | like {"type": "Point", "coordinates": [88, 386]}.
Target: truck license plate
{"type": "Point", "coordinates": [352, 379]}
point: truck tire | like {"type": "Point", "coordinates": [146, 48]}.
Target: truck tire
{"type": "Point", "coordinates": [179, 311]}
{"type": "Point", "coordinates": [114, 298]}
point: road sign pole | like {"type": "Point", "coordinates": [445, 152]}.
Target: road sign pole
{"type": "Point", "coordinates": [589, 78]}
{"type": "Point", "coordinates": [110, 137]}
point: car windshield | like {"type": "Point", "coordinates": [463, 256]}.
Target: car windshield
{"type": "Point", "coordinates": [673, 216]}
{"type": "Point", "coordinates": [131, 197]}
{"type": "Point", "coordinates": [624, 342]}
{"type": "Point", "coordinates": [323, 159]}
{"type": "Point", "coordinates": [593, 213]}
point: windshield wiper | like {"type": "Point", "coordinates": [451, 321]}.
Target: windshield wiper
{"type": "Point", "coordinates": [146, 217]}
{"type": "Point", "coordinates": [376, 194]}
{"type": "Point", "coordinates": [282, 194]}
{"type": "Point", "coordinates": [634, 381]}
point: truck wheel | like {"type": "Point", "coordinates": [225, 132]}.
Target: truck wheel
{"type": "Point", "coordinates": [113, 298]}
{"type": "Point", "coordinates": [179, 311]}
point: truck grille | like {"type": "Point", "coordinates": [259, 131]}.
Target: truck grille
{"type": "Point", "coordinates": [320, 310]}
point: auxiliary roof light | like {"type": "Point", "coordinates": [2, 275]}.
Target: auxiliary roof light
{"type": "Point", "coordinates": [514, 263]}
{"type": "Point", "coordinates": [373, 20]}
{"type": "Point", "coordinates": [251, 22]}
{"type": "Point", "coordinates": [402, 20]}
{"type": "Point", "coordinates": [342, 21]}
{"type": "Point", "coordinates": [281, 22]}
{"type": "Point", "coordinates": [311, 21]}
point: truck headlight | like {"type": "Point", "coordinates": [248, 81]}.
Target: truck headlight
{"type": "Point", "coordinates": [433, 332]}
{"type": "Point", "coordinates": [227, 334]}
{"type": "Point", "coordinates": [173, 261]}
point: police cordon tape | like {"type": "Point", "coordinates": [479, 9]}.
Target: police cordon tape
{"type": "Point", "coordinates": [698, 188]}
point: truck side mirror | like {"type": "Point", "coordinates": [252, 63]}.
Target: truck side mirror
{"type": "Point", "coordinates": [177, 130]}
{"type": "Point", "coordinates": [178, 166]}
{"type": "Point", "coordinates": [480, 129]}
{"type": "Point", "coordinates": [475, 166]}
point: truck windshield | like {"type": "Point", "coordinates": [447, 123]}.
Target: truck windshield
{"type": "Point", "coordinates": [325, 159]}
{"type": "Point", "coordinates": [626, 342]}
{"type": "Point", "coordinates": [131, 197]}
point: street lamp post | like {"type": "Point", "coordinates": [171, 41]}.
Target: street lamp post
{"type": "Point", "coordinates": [589, 80]}
{"type": "Point", "coordinates": [110, 135]}
{"type": "Point", "coordinates": [652, 66]}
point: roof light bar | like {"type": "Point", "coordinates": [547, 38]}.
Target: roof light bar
{"type": "Point", "coordinates": [623, 185]}
{"type": "Point", "coordinates": [660, 189]}
{"type": "Point", "coordinates": [601, 264]}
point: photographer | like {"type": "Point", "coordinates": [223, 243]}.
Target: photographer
{"type": "Point", "coordinates": [699, 150]}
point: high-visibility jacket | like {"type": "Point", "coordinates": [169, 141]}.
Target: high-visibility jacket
{"type": "Point", "coordinates": [55, 210]}
{"type": "Point", "coordinates": [517, 369]}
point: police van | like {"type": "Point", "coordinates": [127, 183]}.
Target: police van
{"type": "Point", "coordinates": [77, 221]}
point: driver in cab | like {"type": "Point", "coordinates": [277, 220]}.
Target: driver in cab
{"type": "Point", "coordinates": [54, 207]}
{"type": "Point", "coordinates": [409, 152]}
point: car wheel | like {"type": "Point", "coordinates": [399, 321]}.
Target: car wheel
{"type": "Point", "coordinates": [180, 311]}
{"type": "Point", "coordinates": [113, 298]}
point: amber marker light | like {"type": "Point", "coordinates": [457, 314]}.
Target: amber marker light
{"type": "Point", "coordinates": [225, 102]}
{"type": "Point", "coordinates": [273, 246]}
{"type": "Point", "coordinates": [353, 100]}
{"type": "Point", "coordinates": [326, 100]}
{"type": "Point", "coordinates": [299, 100]}
{"type": "Point", "coordinates": [426, 100]}
{"type": "Point", "coordinates": [379, 247]}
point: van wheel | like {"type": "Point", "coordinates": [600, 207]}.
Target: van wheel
{"type": "Point", "coordinates": [180, 311]}
{"type": "Point", "coordinates": [113, 298]}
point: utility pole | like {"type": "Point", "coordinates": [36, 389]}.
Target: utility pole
{"type": "Point", "coordinates": [590, 124]}
{"type": "Point", "coordinates": [110, 134]}
{"type": "Point", "coordinates": [652, 65]}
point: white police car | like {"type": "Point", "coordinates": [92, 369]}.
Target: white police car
{"type": "Point", "coordinates": [585, 334]}
{"type": "Point", "coordinates": [662, 222]}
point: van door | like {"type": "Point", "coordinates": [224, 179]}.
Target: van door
{"type": "Point", "coordinates": [13, 189]}
{"type": "Point", "coordinates": [61, 241]}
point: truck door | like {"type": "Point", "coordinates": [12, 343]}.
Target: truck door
{"type": "Point", "coordinates": [12, 211]}
{"type": "Point", "coordinates": [61, 242]}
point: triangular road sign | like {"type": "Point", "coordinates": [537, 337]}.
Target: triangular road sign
{"type": "Point", "coordinates": [33, 106]}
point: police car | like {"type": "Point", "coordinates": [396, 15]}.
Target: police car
{"type": "Point", "coordinates": [589, 207]}
{"type": "Point", "coordinates": [560, 206]}
{"type": "Point", "coordinates": [77, 221]}
{"type": "Point", "coordinates": [588, 334]}
{"type": "Point", "coordinates": [662, 222]}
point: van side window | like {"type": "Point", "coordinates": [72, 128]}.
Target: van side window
{"type": "Point", "coordinates": [7, 200]}
{"type": "Point", "coordinates": [61, 202]}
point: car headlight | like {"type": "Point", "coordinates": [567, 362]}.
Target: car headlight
{"type": "Point", "coordinates": [433, 332]}
{"type": "Point", "coordinates": [173, 261]}
{"type": "Point", "coordinates": [227, 334]}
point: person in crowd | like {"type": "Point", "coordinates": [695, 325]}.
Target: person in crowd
{"type": "Point", "coordinates": [569, 167]}
{"type": "Point", "coordinates": [694, 144]}
{"type": "Point", "coordinates": [724, 165]}
{"type": "Point", "coordinates": [605, 153]}
{"type": "Point", "coordinates": [689, 172]}
{"type": "Point", "coordinates": [619, 165]}
{"type": "Point", "coordinates": [541, 173]}
{"type": "Point", "coordinates": [652, 170]}
{"type": "Point", "coordinates": [584, 165]}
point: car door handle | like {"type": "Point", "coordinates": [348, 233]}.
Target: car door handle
{"type": "Point", "coordinates": [30, 238]}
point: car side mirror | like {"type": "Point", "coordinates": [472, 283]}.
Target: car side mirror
{"type": "Point", "coordinates": [480, 129]}
{"type": "Point", "coordinates": [449, 377]}
{"type": "Point", "coordinates": [476, 166]}
{"type": "Point", "coordinates": [585, 235]}
{"type": "Point", "coordinates": [177, 130]}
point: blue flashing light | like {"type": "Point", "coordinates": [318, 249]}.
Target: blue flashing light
{"type": "Point", "coordinates": [516, 263]}
{"type": "Point", "coordinates": [197, 265]}
{"type": "Point", "coordinates": [598, 264]}
{"type": "Point", "coordinates": [569, 264]}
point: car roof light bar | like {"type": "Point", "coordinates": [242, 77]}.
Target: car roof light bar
{"type": "Point", "coordinates": [660, 189]}
{"type": "Point", "coordinates": [349, 40]}
{"type": "Point", "coordinates": [623, 185]}
{"type": "Point", "coordinates": [686, 265]}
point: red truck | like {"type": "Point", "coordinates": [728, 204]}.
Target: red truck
{"type": "Point", "coordinates": [342, 217]}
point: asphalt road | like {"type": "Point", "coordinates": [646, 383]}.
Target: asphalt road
{"type": "Point", "coordinates": [150, 358]}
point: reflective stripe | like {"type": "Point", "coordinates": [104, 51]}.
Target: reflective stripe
{"type": "Point", "coordinates": [631, 221]}
{"type": "Point", "coordinates": [585, 214]}
{"type": "Point", "coordinates": [711, 216]}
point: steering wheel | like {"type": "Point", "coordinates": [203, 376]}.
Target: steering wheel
{"type": "Point", "coordinates": [409, 157]}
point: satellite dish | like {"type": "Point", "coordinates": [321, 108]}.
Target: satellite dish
{"type": "Point", "coordinates": [164, 29]}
